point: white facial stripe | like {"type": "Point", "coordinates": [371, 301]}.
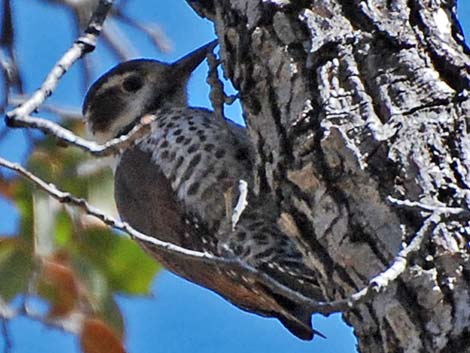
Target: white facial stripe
{"type": "Point", "coordinates": [115, 80]}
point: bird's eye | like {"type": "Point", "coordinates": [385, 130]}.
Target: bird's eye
{"type": "Point", "coordinates": [132, 83]}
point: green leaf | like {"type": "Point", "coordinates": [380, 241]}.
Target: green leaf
{"type": "Point", "coordinates": [24, 203]}
{"type": "Point", "coordinates": [15, 267]}
{"type": "Point", "coordinates": [98, 292]}
{"type": "Point", "coordinates": [112, 315]}
{"type": "Point", "coordinates": [63, 229]}
{"type": "Point", "coordinates": [126, 266]}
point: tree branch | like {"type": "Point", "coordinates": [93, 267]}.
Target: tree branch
{"type": "Point", "coordinates": [399, 264]}
{"type": "Point", "coordinates": [152, 31]}
{"type": "Point", "coordinates": [62, 111]}
{"type": "Point", "coordinates": [8, 62]}
{"type": "Point", "coordinates": [437, 208]}
{"type": "Point", "coordinates": [109, 148]}
{"type": "Point", "coordinates": [376, 284]}
{"type": "Point", "coordinates": [20, 117]}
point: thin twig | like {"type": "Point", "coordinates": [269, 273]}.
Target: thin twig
{"type": "Point", "coordinates": [20, 116]}
{"type": "Point", "coordinates": [62, 111]}
{"type": "Point", "coordinates": [154, 32]}
{"type": "Point", "coordinates": [217, 94]}
{"type": "Point", "coordinates": [71, 324]}
{"type": "Point", "coordinates": [8, 62]}
{"type": "Point", "coordinates": [399, 264]}
{"type": "Point", "coordinates": [109, 148]}
{"type": "Point", "coordinates": [119, 44]}
{"type": "Point", "coordinates": [7, 342]}
{"type": "Point", "coordinates": [438, 207]}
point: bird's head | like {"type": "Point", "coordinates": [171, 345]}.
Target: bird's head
{"type": "Point", "coordinates": [116, 101]}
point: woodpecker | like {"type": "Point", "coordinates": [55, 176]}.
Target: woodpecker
{"type": "Point", "coordinates": [178, 183]}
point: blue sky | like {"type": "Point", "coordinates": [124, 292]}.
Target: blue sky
{"type": "Point", "coordinates": [180, 317]}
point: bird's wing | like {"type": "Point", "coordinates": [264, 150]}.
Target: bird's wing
{"type": "Point", "coordinates": [147, 202]}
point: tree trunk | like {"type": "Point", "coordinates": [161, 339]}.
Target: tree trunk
{"type": "Point", "coordinates": [348, 103]}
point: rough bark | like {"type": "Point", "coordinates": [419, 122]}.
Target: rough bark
{"type": "Point", "coordinates": [347, 103]}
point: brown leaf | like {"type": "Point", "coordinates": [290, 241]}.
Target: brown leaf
{"type": "Point", "coordinates": [97, 337]}
{"type": "Point", "coordinates": [8, 187]}
{"type": "Point", "coordinates": [61, 279]}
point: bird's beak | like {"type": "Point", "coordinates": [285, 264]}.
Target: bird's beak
{"type": "Point", "coordinates": [188, 63]}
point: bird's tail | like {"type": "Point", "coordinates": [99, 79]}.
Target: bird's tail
{"type": "Point", "coordinates": [296, 318]}
{"type": "Point", "coordinates": [302, 325]}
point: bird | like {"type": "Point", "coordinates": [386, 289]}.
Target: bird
{"type": "Point", "coordinates": [180, 183]}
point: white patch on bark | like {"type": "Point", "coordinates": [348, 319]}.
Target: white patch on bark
{"type": "Point", "coordinates": [442, 21]}
{"type": "Point", "coordinates": [278, 2]}
{"type": "Point", "coordinates": [241, 203]}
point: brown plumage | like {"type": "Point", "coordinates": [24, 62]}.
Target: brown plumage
{"type": "Point", "coordinates": [174, 185]}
